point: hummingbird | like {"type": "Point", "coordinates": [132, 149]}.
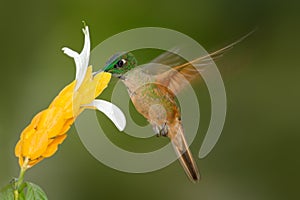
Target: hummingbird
{"type": "Point", "coordinates": [153, 89]}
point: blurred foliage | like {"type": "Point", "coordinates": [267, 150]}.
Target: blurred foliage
{"type": "Point", "coordinates": [257, 156]}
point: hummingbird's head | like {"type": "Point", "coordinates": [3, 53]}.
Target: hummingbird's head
{"type": "Point", "coordinates": [119, 64]}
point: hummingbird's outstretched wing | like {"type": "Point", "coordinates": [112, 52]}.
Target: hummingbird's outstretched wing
{"type": "Point", "coordinates": [169, 58]}
{"type": "Point", "coordinates": [183, 152]}
{"type": "Point", "coordinates": [179, 76]}
{"type": "Point", "coordinates": [163, 62]}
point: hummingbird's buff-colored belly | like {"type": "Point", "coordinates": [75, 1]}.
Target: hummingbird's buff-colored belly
{"type": "Point", "coordinates": [156, 103]}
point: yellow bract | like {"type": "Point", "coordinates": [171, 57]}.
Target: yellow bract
{"type": "Point", "coordinates": [40, 139]}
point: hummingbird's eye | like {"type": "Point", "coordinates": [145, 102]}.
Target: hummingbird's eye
{"type": "Point", "coordinates": [120, 63]}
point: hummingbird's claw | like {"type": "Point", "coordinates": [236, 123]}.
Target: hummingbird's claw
{"type": "Point", "coordinates": [164, 130]}
{"type": "Point", "coordinates": [161, 130]}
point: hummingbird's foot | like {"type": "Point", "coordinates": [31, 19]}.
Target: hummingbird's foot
{"type": "Point", "coordinates": [161, 130]}
{"type": "Point", "coordinates": [164, 130]}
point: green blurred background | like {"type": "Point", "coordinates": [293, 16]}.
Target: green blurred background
{"type": "Point", "coordinates": [257, 156]}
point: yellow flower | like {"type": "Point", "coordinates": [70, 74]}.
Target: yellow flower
{"type": "Point", "coordinates": [40, 139]}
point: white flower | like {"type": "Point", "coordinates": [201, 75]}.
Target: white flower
{"type": "Point", "coordinates": [82, 63]}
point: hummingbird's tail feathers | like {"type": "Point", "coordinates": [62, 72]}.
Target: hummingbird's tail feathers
{"type": "Point", "coordinates": [185, 157]}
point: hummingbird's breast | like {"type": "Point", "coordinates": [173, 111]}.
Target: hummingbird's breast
{"type": "Point", "coordinates": [154, 101]}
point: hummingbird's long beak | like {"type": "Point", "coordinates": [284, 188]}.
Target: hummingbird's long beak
{"type": "Point", "coordinates": [97, 72]}
{"type": "Point", "coordinates": [105, 69]}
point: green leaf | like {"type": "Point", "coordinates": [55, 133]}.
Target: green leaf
{"type": "Point", "coordinates": [21, 196]}
{"type": "Point", "coordinates": [7, 193]}
{"type": "Point", "coordinates": [34, 192]}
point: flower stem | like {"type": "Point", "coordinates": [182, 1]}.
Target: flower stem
{"type": "Point", "coordinates": [20, 179]}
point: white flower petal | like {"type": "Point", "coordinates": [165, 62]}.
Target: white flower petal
{"type": "Point", "coordinates": [70, 52]}
{"type": "Point", "coordinates": [111, 111]}
{"type": "Point", "coordinates": [82, 59]}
